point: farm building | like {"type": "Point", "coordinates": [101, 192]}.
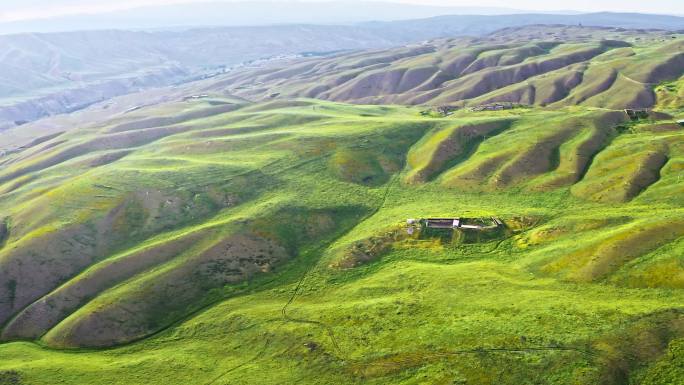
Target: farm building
{"type": "Point", "coordinates": [495, 107]}
{"type": "Point", "coordinates": [455, 223]}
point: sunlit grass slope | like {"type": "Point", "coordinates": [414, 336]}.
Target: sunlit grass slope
{"type": "Point", "coordinates": [212, 245]}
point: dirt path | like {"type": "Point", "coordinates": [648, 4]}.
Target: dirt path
{"type": "Point", "coordinates": [238, 366]}
{"type": "Point", "coordinates": [297, 290]}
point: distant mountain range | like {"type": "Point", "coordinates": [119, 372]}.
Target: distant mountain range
{"type": "Point", "coordinates": [47, 74]}
{"type": "Point", "coordinates": [261, 13]}
{"type": "Point", "coordinates": [242, 13]}
{"type": "Point", "coordinates": [474, 25]}
{"type": "Point", "coordinates": [541, 65]}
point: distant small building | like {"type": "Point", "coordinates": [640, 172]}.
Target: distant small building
{"type": "Point", "coordinates": [494, 107]}
{"type": "Point", "coordinates": [195, 97]}
{"type": "Point", "coordinates": [455, 223]}
{"type": "Point", "coordinates": [442, 223]}
{"type": "Point", "coordinates": [681, 122]}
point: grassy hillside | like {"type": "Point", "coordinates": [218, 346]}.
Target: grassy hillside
{"type": "Point", "coordinates": [228, 242]}
{"type": "Point", "coordinates": [538, 65]}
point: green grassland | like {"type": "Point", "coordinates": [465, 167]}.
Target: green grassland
{"type": "Point", "coordinates": [217, 246]}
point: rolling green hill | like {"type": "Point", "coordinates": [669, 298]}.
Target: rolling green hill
{"type": "Point", "coordinates": [222, 241]}
{"type": "Point", "coordinates": [537, 65]}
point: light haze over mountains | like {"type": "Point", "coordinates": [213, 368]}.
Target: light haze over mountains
{"type": "Point", "coordinates": [41, 16]}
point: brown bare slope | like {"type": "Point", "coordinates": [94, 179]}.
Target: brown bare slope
{"type": "Point", "coordinates": [42, 315]}
{"type": "Point", "coordinates": [227, 254]}
{"type": "Point", "coordinates": [593, 66]}
{"type": "Point", "coordinates": [171, 289]}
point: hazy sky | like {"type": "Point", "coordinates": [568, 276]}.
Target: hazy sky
{"type": "Point", "coordinates": [16, 10]}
